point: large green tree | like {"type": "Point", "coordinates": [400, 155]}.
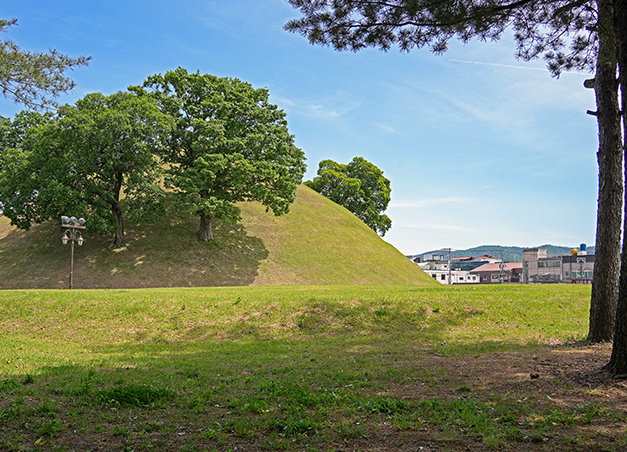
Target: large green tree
{"type": "Point", "coordinates": [92, 159]}
{"type": "Point", "coordinates": [34, 79]}
{"type": "Point", "coordinates": [568, 34]}
{"type": "Point", "coordinates": [229, 144]}
{"type": "Point", "coordinates": [360, 187]}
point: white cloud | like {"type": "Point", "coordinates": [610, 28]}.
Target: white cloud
{"type": "Point", "coordinates": [332, 106]}
{"type": "Point", "coordinates": [388, 129]}
{"type": "Point", "coordinates": [428, 202]}
{"type": "Point", "coordinates": [511, 66]}
{"type": "Point", "coordinates": [438, 227]}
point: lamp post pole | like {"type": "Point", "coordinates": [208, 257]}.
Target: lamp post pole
{"type": "Point", "coordinates": [72, 224]}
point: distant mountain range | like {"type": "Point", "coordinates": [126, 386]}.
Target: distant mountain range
{"type": "Point", "coordinates": [510, 253]}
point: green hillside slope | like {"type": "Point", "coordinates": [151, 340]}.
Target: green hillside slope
{"type": "Point", "coordinates": [318, 242]}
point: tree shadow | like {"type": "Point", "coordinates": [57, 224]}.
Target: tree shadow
{"type": "Point", "coordinates": [33, 259]}
{"type": "Point", "coordinates": [166, 254]}
{"type": "Point", "coordinates": [214, 382]}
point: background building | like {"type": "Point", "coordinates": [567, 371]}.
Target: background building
{"type": "Point", "coordinates": [501, 273]}
{"type": "Point", "coordinates": [441, 270]}
{"type": "Point", "coordinates": [577, 267]}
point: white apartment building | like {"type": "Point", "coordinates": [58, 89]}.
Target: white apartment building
{"type": "Point", "coordinates": [441, 271]}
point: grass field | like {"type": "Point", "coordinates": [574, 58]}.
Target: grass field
{"type": "Point", "coordinates": [303, 368]}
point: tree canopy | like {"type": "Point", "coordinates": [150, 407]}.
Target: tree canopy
{"type": "Point", "coordinates": [360, 187]}
{"type": "Point", "coordinates": [558, 30]}
{"type": "Point", "coordinates": [80, 161]}
{"type": "Point", "coordinates": [34, 79]}
{"type": "Point", "coordinates": [18, 169]}
{"type": "Point", "coordinates": [229, 144]}
{"type": "Point", "coordinates": [213, 141]}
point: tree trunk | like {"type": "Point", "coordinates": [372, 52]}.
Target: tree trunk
{"type": "Point", "coordinates": [610, 159]}
{"type": "Point", "coordinates": [118, 237]}
{"type": "Point", "coordinates": [618, 361]}
{"type": "Point", "coordinates": [205, 232]}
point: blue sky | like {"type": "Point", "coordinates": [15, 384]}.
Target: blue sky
{"type": "Point", "coordinates": [481, 149]}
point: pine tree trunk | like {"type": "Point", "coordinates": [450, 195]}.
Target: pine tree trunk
{"type": "Point", "coordinates": [610, 159]}
{"type": "Point", "coordinates": [205, 232]}
{"type": "Point", "coordinates": [118, 237]}
{"type": "Point", "coordinates": [618, 361]}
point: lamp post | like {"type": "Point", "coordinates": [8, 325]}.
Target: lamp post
{"type": "Point", "coordinates": [71, 234]}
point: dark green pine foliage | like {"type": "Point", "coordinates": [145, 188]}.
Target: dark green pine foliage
{"type": "Point", "coordinates": [559, 31]}
{"type": "Point", "coordinates": [34, 79]}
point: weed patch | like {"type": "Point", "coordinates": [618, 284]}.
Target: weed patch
{"type": "Point", "coordinates": [139, 396]}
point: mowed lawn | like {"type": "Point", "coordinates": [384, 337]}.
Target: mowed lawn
{"type": "Point", "coordinates": [122, 327]}
{"type": "Point", "coordinates": [295, 368]}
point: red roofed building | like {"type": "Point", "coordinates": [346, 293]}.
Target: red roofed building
{"type": "Point", "coordinates": [469, 263]}
{"type": "Point", "coordinates": [507, 272]}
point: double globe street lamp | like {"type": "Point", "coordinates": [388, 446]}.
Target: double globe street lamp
{"type": "Point", "coordinates": [72, 234]}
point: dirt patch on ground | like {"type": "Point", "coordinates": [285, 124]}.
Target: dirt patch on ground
{"type": "Point", "coordinates": [576, 368]}
{"type": "Point", "coordinates": [557, 378]}
{"type": "Point", "coordinates": [554, 379]}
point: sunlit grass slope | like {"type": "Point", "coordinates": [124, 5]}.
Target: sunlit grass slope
{"type": "Point", "coordinates": [318, 242]}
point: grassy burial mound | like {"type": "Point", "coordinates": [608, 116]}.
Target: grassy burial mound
{"type": "Point", "coordinates": [318, 242]}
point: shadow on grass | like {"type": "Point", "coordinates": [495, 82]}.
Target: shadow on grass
{"type": "Point", "coordinates": [166, 254]}
{"type": "Point", "coordinates": [297, 393]}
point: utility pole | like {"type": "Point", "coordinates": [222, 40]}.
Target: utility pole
{"type": "Point", "coordinates": [502, 267]}
{"type": "Point", "coordinates": [449, 266]}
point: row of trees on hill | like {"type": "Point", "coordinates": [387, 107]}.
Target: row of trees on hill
{"type": "Point", "coordinates": [569, 34]}
{"type": "Point", "coordinates": [212, 141]}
